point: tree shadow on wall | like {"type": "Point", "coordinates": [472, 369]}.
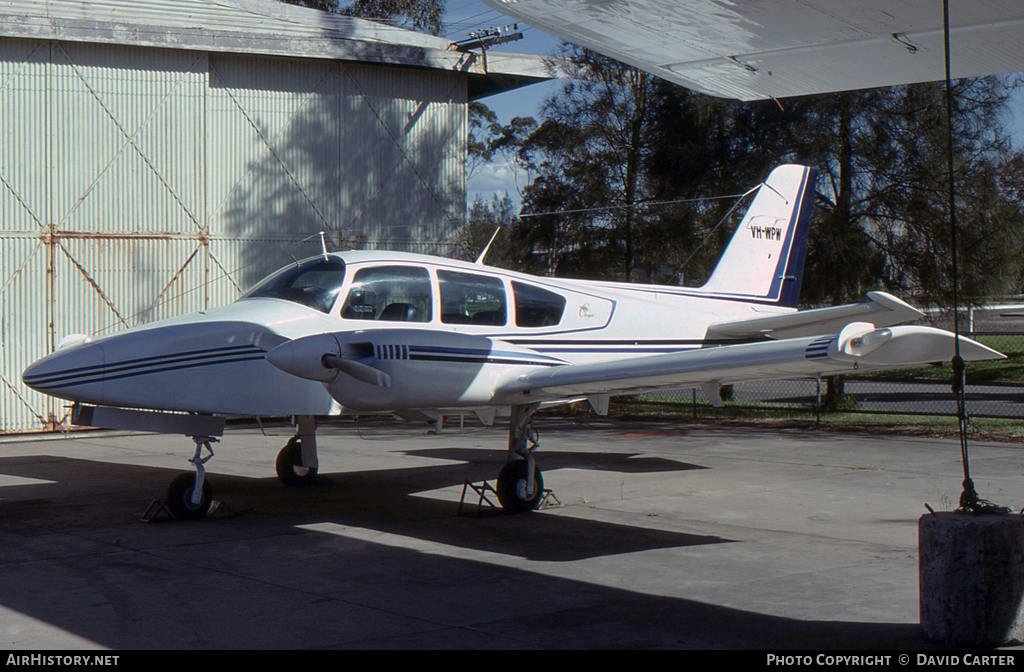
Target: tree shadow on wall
{"type": "Point", "coordinates": [370, 155]}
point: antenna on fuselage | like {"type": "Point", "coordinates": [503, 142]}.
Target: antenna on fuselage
{"type": "Point", "coordinates": [480, 259]}
{"type": "Point", "coordinates": [323, 242]}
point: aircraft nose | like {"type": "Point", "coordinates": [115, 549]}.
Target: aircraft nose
{"type": "Point", "coordinates": [74, 373]}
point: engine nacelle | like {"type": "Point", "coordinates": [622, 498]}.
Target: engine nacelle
{"type": "Point", "coordinates": [424, 368]}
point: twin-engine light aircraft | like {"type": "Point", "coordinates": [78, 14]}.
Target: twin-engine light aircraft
{"type": "Point", "coordinates": [421, 336]}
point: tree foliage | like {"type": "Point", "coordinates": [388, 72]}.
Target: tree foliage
{"type": "Point", "coordinates": [625, 170]}
{"type": "Point", "coordinates": [483, 129]}
{"type": "Point", "coordinates": [425, 16]}
{"type": "Point", "coordinates": [497, 220]}
{"type": "Point", "coordinates": [588, 157]}
{"type": "Point", "coordinates": [883, 216]}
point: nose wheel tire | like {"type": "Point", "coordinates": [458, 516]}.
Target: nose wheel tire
{"type": "Point", "coordinates": [289, 465]}
{"type": "Point", "coordinates": [512, 487]}
{"type": "Point", "coordinates": [179, 498]}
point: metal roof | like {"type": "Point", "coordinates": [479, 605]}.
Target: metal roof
{"type": "Point", "coordinates": [267, 27]}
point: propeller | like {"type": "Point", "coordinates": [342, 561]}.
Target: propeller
{"type": "Point", "coordinates": [317, 357]}
{"type": "Point", "coordinates": [361, 372]}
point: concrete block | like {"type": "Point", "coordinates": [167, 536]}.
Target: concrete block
{"type": "Point", "coordinates": [972, 578]}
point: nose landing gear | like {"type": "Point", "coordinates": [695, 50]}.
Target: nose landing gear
{"type": "Point", "coordinates": [189, 496]}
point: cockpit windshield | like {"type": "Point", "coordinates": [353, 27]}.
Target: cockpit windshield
{"type": "Point", "coordinates": [314, 283]}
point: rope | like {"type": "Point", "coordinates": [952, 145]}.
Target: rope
{"type": "Point", "coordinates": [970, 502]}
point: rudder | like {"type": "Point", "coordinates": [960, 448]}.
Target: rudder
{"type": "Point", "coordinates": [764, 261]}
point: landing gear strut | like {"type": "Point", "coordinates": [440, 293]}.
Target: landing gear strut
{"type": "Point", "coordinates": [520, 484]}
{"type": "Point", "coordinates": [297, 463]}
{"type": "Point", "coordinates": [189, 496]}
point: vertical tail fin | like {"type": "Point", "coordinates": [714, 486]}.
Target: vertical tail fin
{"type": "Point", "coordinates": [764, 261]}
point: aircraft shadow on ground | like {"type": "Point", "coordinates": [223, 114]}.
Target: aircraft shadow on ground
{"type": "Point", "coordinates": [387, 499]}
{"type": "Point", "coordinates": [75, 557]}
{"type": "Point", "coordinates": [378, 499]}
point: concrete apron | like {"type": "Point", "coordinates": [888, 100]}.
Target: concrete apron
{"type": "Point", "coordinates": [972, 578]}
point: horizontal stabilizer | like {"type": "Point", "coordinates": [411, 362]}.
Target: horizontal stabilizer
{"type": "Point", "coordinates": [883, 310]}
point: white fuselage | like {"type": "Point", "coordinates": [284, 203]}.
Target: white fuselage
{"type": "Point", "coordinates": [470, 328]}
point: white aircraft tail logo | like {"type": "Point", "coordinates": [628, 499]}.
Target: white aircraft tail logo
{"type": "Point", "coordinates": [765, 258]}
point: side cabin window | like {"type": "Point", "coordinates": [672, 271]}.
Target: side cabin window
{"type": "Point", "coordinates": [389, 293]}
{"type": "Point", "coordinates": [467, 298]}
{"type": "Point", "coordinates": [536, 307]}
{"type": "Point", "coordinates": [314, 283]}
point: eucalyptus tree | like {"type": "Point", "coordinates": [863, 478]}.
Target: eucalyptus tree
{"type": "Point", "coordinates": [425, 16]}
{"type": "Point", "coordinates": [589, 158]}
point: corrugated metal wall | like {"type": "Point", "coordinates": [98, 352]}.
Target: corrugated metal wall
{"type": "Point", "coordinates": [141, 183]}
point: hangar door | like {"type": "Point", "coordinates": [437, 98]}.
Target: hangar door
{"type": "Point", "coordinates": [137, 184]}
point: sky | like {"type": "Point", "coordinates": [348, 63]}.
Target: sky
{"type": "Point", "coordinates": [464, 16]}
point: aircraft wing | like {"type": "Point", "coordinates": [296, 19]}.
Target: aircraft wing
{"type": "Point", "coordinates": [858, 347]}
{"type": "Point", "coordinates": [883, 310]}
{"type": "Point", "coordinates": [780, 48]}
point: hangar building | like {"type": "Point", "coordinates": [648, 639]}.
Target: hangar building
{"type": "Point", "coordinates": [160, 157]}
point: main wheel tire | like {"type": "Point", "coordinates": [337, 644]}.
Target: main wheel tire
{"type": "Point", "coordinates": [289, 465]}
{"type": "Point", "coordinates": [179, 498]}
{"type": "Point", "coordinates": [512, 487]}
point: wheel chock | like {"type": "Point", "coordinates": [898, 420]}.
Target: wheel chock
{"type": "Point", "coordinates": [219, 509]}
{"type": "Point", "coordinates": [481, 490]}
{"type": "Point", "coordinates": [159, 513]}
{"type": "Point", "coordinates": [549, 501]}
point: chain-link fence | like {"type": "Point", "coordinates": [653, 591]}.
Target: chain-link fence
{"type": "Point", "coordinates": [995, 389]}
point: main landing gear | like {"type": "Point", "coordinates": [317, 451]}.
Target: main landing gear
{"type": "Point", "coordinates": [297, 462]}
{"type": "Point", "coordinates": [520, 484]}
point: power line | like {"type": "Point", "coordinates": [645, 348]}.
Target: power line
{"type": "Point", "coordinates": [469, 19]}
{"type": "Point", "coordinates": [623, 207]}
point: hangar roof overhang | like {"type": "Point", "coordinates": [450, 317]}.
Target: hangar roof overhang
{"type": "Point", "coordinates": [264, 27]}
